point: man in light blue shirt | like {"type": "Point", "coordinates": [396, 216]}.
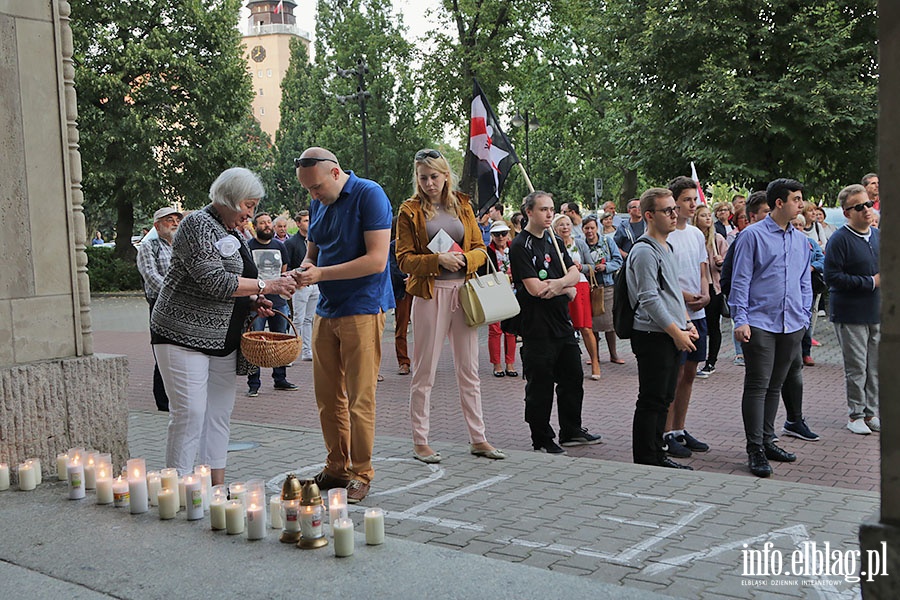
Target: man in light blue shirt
{"type": "Point", "coordinates": [771, 293]}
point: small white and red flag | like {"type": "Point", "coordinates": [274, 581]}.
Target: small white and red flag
{"type": "Point", "coordinates": [700, 194]}
{"type": "Point", "coordinates": [280, 7]}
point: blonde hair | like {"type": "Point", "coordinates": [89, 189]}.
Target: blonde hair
{"type": "Point", "coordinates": [449, 199]}
{"type": "Point", "coordinates": [559, 218]}
{"type": "Point", "coordinates": [710, 234]}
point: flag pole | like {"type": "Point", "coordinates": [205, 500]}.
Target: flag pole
{"type": "Point", "coordinates": [525, 175]}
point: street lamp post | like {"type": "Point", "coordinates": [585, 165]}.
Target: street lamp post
{"type": "Point", "coordinates": [361, 95]}
{"type": "Point", "coordinates": [519, 121]}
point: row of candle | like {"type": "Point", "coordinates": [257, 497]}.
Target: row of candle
{"type": "Point", "coordinates": [28, 472]}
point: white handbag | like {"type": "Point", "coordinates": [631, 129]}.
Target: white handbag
{"type": "Point", "coordinates": [488, 298]}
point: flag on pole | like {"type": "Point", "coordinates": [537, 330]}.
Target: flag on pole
{"type": "Point", "coordinates": [696, 179]}
{"type": "Point", "coordinates": [490, 155]}
{"type": "Point", "coordinates": [280, 7]}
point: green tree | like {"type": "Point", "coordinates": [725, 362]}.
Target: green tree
{"type": "Point", "coordinates": [164, 104]}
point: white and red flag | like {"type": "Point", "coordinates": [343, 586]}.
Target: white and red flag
{"type": "Point", "coordinates": [280, 7]}
{"type": "Point", "coordinates": [696, 179]}
{"type": "Point", "coordinates": [490, 155]}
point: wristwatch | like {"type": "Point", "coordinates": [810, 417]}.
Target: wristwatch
{"type": "Point", "coordinates": [261, 284]}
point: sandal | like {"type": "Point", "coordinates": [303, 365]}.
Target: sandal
{"type": "Point", "coordinates": [499, 374]}
{"type": "Point", "coordinates": [510, 373]}
{"type": "Point", "coordinates": [430, 459]}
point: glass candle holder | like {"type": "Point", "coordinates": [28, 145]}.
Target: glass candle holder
{"type": "Point", "coordinates": [337, 505]}
{"type": "Point", "coordinates": [218, 498]}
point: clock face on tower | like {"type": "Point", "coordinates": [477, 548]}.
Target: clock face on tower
{"type": "Point", "coordinates": [258, 53]}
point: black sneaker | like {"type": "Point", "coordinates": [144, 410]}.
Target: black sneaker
{"type": "Point", "coordinates": [706, 371]}
{"type": "Point", "coordinates": [582, 438]}
{"type": "Point", "coordinates": [327, 482]}
{"type": "Point", "coordinates": [285, 385]}
{"type": "Point", "coordinates": [773, 452]}
{"type": "Point", "coordinates": [549, 447]}
{"type": "Point", "coordinates": [799, 429]}
{"type": "Point", "coordinates": [671, 464]}
{"type": "Point", "coordinates": [759, 466]}
{"type": "Point", "coordinates": [253, 392]}
{"type": "Point", "coordinates": [692, 443]}
{"type": "Point", "coordinates": [674, 448]}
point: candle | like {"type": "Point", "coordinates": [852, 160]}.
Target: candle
{"type": "Point", "coordinates": [256, 521]}
{"type": "Point", "coordinates": [90, 472]}
{"type": "Point", "coordinates": [374, 526]}
{"type": "Point", "coordinates": [205, 473]}
{"type": "Point", "coordinates": [238, 491]}
{"type": "Point", "coordinates": [275, 512]}
{"type": "Point", "coordinates": [217, 500]}
{"type": "Point", "coordinates": [337, 504]}
{"type": "Point", "coordinates": [26, 477]}
{"type": "Point", "coordinates": [193, 490]}
{"type": "Point", "coordinates": [182, 498]}
{"type": "Point", "coordinates": [167, 500]}
{"type": "Point", "coordinates": [120, 493]}
{"type": "Point", "coordinates": [234, 517]}
{"type": "Point", "coordinates": [168, 478]}
{"type": "Point", "coordinates": [104, 484]}
{"type": "Point", "coordinates": [343, 537]}
{"type": "Point", "coordinates": [61, 459]}
{"type": "Point", "coordinates": [138, 494]}
{"type": "Point", "coordinates": [153, 486]}
{"type": "Point", "coordinates": [4, 477]}
{"type": "Point", "coordinates": [75, 471]}
{"type": "Point", "coordinates": [290, 514]}
{"type": "Point", "coordinates": [311, 521]}
{"type": "Point", "coordinates": [38, 473]}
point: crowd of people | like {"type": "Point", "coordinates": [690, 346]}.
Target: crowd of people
{"type": "Point", "coordinates": [765, 262]}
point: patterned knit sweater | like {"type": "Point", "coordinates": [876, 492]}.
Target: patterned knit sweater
{"type": "Point", "coordinates": [195, 308]}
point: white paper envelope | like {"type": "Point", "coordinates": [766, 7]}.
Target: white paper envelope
{"type": "Point", "coordinates": [441, 242]}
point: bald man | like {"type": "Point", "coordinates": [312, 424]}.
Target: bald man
{"type": "Point", "coordinates": [346, 255]}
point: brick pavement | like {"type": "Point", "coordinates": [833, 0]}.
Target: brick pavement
{"type": "Point", "coordinates": [840, 459]}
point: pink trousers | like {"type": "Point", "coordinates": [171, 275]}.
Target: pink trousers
{"type": "Point", "coordinates": [434, 321]}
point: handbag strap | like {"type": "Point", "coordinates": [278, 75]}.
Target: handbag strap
{"type": "Point", "coordinates": [492, 268]}
{"type": "Point", "coordinates": [593, 279]}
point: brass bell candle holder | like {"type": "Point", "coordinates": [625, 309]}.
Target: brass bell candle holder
{"type": "Point", "coordinates": [290, 510]}
{"type": "Point", "coordinates": [312, 516]}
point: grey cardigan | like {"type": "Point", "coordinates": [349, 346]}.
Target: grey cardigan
{"type": "Point", "coordinates": [653, 287]}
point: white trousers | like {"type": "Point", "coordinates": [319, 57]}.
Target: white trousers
{"type": "Point", "coordinates": [305, 301]}
{"type": "Point", "coordinates": [201, 392]}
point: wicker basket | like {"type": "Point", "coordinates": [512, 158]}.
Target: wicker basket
{"type": "Point", "coordinates": [267, 349]}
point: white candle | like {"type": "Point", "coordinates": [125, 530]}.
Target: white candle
{"type": "Point", "coordinates": [38, 473]}
{"type": "Point", "coordinates": [61, 459]}
{"type": "Point", "coordinates": [311, 521]}
{"type": "Point", "coordinates": [4, 477]}
{"type": "Point", "coordinates": [90, 472]}
{"type": "Point", "coordinates": [217, 513]}
{"type": "Point", "coordinates": [120, 493]}
{"type": "Point", "coordinates": [193, 490]}
{"type": "Point", "coordinates": [168, 503]}
{"type": "Point", "coordinates": [139, 496]}
{"type": "Point", "coordinates": [238, 491]}
{"type": "Point", "coordinates": [104, 485]}
{"type": "Point", "coordinates": [337, 505]}
{"type": "Point", "coordinates": [343, 537]}
{"type": "Point", "coordinates": [75, 471]}
{"type": "Point", "coordinates": [290, 513]}
{"type": "Point", "coordinates": [234, 517]}
{"type": "Point", "coordinates": [26, 477]}
{"type": "Point", "coordinates": [374, 526]}
{"type": "Point", "coordinates": [168, 478]}
{"type": "Point", "coordinates": [256, 522]}
{"type": "Point", "coordinates": [275, 512]}
{"type": "Point", "coordinates": [182, 498]}
{"type": "Point", "coordinates": [205, 473]}
{"type": "Point", "coordinates": [153, 486]}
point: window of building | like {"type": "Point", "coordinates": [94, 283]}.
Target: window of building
{"type": "Point", "coordinates": [262, 110]}
{"type": "Point", "coordinates": [260, 91]}
{"type": "Point", "coordinates": [269, 72]}
{"type": "Point", "coordinates": [259, 73]}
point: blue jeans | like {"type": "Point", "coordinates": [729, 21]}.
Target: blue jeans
{"type": "Point", "coordinates": [277, 324]}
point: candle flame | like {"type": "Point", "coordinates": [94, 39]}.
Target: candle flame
{"type": "Point", "coordinates": [102, 474]}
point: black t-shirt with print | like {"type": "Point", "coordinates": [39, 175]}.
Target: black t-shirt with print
{"type": "Point", "coordinates": [528, 256]}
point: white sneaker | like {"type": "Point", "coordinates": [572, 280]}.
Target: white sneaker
{"type": "Point", "coordinates": [821, 313]}
{"type": "Point", "coordinates": [859, 426]}
{"type": "Point", "coordinates": [874, 424]}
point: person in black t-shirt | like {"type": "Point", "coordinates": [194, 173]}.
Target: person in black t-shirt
{"type": "Point", "coordinates": [544, 279]}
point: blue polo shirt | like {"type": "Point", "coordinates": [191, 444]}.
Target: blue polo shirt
{"type": "Point", "coordinates": [338, 231]}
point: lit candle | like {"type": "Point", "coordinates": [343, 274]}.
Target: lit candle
{"type": "Point", "coordinates": [104, 484]}
{"type": "Point", "coordinates": [256, 521]}
{"type": "Point", "coordinates": [168, 478]}
{"type": "Point", "coordinates": [26, 477]}
{"type": "Point", "coordinates": [217, 507]}
{"type": "Point", "coordinates": [153, 486]}
{"type": "Point", "coordinates": [61, 459]}
{"type": "Point", "coordinates": [275, 512]}
{"type": "Point", "coordinates": [337, 504]}
{"type": "Point", "coordinates": [193, 490]}
{"type": "Point", "coordinates": [290, 513]}
{"type": "Point", "coordinates": [90, 472]}
{"type": "Point", "coordinates": [205, 473]}
{"type": "Point", "coordinates": [75, 471]}
{"type": "Point", "coordinates": [168, 503]}
{"type": "Point", "coordinates": [234, 517]}
{"type": "Point", "coordinates": [238, 491]}
{"type": "Point", "coordinates": [374, 526]}
{"type": "Point", "coordinates": [311, 521]}
{"type": "Point", "coordinates": [138, 495]}
{"type": "Point", "coordinates": [120, 493]}
{"type": "Point", "coordinates": [4, 477]}
{"type": "Point", "coordinates": [38, 473]}
{"type": "Point", "coordinates": [343, 537]}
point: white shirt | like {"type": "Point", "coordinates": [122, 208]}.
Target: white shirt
{"type": "Point", "coordinates": [690, 253]}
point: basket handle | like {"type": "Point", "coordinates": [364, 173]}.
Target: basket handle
{"type": "Point", "coordinates": [250, 320]}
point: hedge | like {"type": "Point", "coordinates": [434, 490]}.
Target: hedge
{"type": "Point", "coordinates": [111, 274]}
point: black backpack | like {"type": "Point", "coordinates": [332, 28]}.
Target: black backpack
{"type": "Point", "coordinates": [623, 311]}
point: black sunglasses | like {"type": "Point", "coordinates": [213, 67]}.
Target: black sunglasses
{"type": "Point", "coordinates": [669, 210]}
{"type": "Point", "coordinates": [423, 154]}
{"type": "Point", "coordinates": [310, 161]}
{"type": "Point", "coordinates": [863, 206]}
{"type": "Point", "coordinates": [499, 233]}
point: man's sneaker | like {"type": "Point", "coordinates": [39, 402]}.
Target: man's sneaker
{"type": "Point", "coordinates": [285, 385]}
{"type": "Point", "coordinates": [253, 392]}
{"type": "Point", "coordinates": [799, 429]}
{"type": "Point", "coordinates": [821, 313]}
{"type": "Point", "coordinates": [692, 443]}
{"type": "Point", "coordinates": [582, 438]}
{"type": "Point", "coordinates": [548, 447]}
{"type": "Point", "coordinates": [758, 463]}
{"type": "Point", "coordinates": [701, 374]}
{"type": "Point", "coordinates": [671, 464]}
{"type": "Point", "coordinates": [808, 361]}
{"type": "Point", "coordinates": [873, 423]}
{"type": "Point", "coordinates": [773, 452]}
{"type": "Point", "coordinates": [739, 360]}
{"type": "Point", "coordinates": [327, 482]}
{"type": "Point", "coordinates": [674, 448]}
{"type": "Point", "coordinates": [816, 343]}
{"type": "Point", "coordinates": [356, 490]}
{"type": "Point", "coordinates": [859, 426]}
{"type": "Point", "coordinates": [706, 371]}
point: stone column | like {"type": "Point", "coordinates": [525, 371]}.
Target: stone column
{"type": "Point", "coordinates": [54, 393]}
{"type": "Point", "coordinates": [886, 526]}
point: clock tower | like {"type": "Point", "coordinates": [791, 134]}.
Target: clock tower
{"type": "Point", "coordinates": [267, 36]}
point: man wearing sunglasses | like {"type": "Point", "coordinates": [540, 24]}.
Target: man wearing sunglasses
{"type": "Point", "coordinates": [852, 275]}
{"type": "Point", "coordinates": [346, 255]}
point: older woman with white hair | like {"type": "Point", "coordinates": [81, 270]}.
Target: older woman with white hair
{"type": "Point", "coordinates": [197, 321]}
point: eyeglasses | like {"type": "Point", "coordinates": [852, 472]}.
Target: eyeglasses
{"type": "Point", "coordinates": [499, 233]}
{"type": "Point", "coordinates": [669, 210]}
{"type": "Point", "coordinates": [310, 161]}
{"type": "Point", "coordinates": [863, 206]}
{"type": "Point", "coordinates": [423, 154]}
